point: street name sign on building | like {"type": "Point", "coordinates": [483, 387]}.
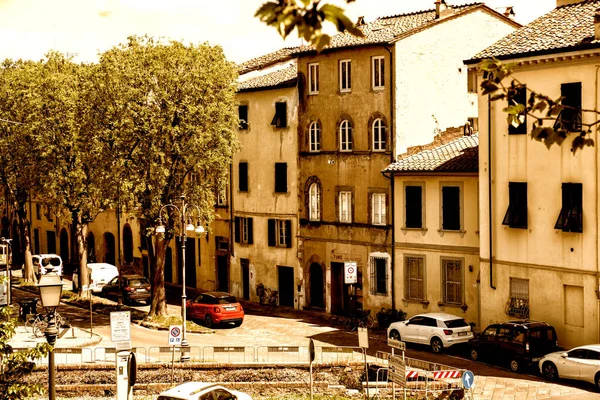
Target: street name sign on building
{"type": "Point", "coordinates": [120, 329]}
{"type": "Point", "coordinates": [175, 334]}
{"type": "Point", "coordinates": [397, 370]}
{"type": "Point", "coordinates": [350, 272]}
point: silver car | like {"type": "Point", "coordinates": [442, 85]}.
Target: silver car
{"type": "Point", "coordinates": [438, 330]}
{"type": "Point", "coordinates": [581, 363]}
{"type": "Point", "coordinates": [202, 391]}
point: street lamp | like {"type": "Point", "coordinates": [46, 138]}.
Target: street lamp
{"type": "Point", "coordinates": [186, 225]}
{"type": "Point", "coordinates": [50, 287]}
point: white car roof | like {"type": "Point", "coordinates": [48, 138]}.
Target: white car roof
{"type": "Point", "coordinates": [188, 388]}
{"type": "Point", "coordinates": [439, 316]}
{"type": "Point", "coordinates": [101, 266]}
{"type": "Point", "coordinates": [595, 347]}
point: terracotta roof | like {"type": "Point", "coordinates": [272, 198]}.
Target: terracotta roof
{"type": "Point", "coordinates": [267, 60]}
{"type": "Point", "coordinates": [282, 77]}
{"type": "Point", "coordinates": [566, 28]}
{"type": "Point", "coordinates": [460, 155]}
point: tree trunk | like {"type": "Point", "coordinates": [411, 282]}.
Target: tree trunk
{"type": "Point", "coordinates": [80, 236]}
{"type": "Point", "coordinates": [156, 262]}
{"type": "Point", "coordinates": [28, 272]}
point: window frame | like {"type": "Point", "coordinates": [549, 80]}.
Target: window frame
{"type": "Point", "coordinates": [380, 218]}
{"type": "Point", "coordinates": [378, 142]}
{"type": "Point", "coordinates": [244, 231]}
{"type": "Point", "coordinates": [280, 118]}
{"type": "Point", "coordinates": [345, 206]}
{"type": "Point", "coordinates": [378, 72]}
{"type": "Point", "coordinates": [313, 78]}
{"type": "Point", "coordinates": [314, 137]}
{"type": "Point", "coordinates": [518, 300]}
{"type": "Point", "coordinates": [421, 280]}
{"type": "Point", "coordinates": [570, 218]}
{"type": "Point", "coordinates": [345, 74]}
{"type": "Point", "coordinates": [516, 214]}
{"type": "Point", "coordinates": [422, 187]}
{"type": "Point", "coordinates": [243, 122]}
{"type": "Point", "coordinates": [345, 131]}
{"type": "Point", "coordinates": [570, 119]}
{"type": "Point", "coordinates": [279, 233]}
{"type": "Point", "coordinates": [314, 200]}
{"type": "Point", "coordinates": [243, 179]}
{"type": "Point", "coordinates": [458, 285]}
{"type": "Point", "coordinates": [446, 220]}
{"type": "Point", "coordinates": [377, 286]}
{"type": "Point", "coordinates": [519, 98]}
{"type": "Point", "coordinates": [222, 196]}
{"type": "Point", "coordinates": [281, 181]}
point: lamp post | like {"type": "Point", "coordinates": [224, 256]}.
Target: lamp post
{"type": "Point", "coordinates": [50, 287]}
{"type": "Point", "coordinates": [186, 225]}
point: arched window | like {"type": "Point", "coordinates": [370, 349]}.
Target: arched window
{"type": "Point", "coordinates": [315, 136]}
{"type": "Point", "coordinates": [378, 135]}
{"type": "Point", "coordinates": [314, 199]}
{"type": "Point", "coordinates": [345, 136]}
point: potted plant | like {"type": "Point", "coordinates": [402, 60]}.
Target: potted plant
{"type": "Point", "coordinates": [388, 315]}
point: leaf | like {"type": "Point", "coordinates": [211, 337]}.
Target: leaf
{"type": "Point", "coordinates": [488, 87]}
{"type": "Point", "coordinates": [499, 96]}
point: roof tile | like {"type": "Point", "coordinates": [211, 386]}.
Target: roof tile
{"type": "Point", "coordinates": [273, 79]}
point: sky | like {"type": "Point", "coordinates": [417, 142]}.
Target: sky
{"type": "Point", "coordinates": [83, 28]}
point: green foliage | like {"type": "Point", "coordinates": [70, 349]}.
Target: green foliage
{"type": "Point", "coordinates": [15, 365]}
{"type": "Point", "coordinates": [541, 108]}
{"type": "Point", "coordinates": [307, 17]}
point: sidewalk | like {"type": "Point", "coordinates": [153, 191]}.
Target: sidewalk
{"type": "Point", "coordinates": [71, 338]}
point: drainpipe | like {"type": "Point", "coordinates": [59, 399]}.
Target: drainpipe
{"type": "Point", "coordinates": [230, 210]}
{"type": "Point", "coordinates": [392, 159]}
{"type": "Point", "coordinates": [597, 207]}
{"type": "Point", "coordinates": [490, 190]}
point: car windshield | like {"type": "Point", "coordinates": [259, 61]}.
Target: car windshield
{"type": "Point", "coordinates": [456, 323]}
{"type": "Point", "coordinates": [226, 300]}
{"type": "Point", "coordinates": [139, 282]}
{"type": "Point", "coordinates": [55, 261]}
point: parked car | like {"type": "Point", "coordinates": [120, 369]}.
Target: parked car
{"type": "Point", "coordinates": [133, 288]}
{"type": "Point", "coordinates": [100, 274]}
{"type": "Point", "coordinates": [45, 263]}
{"type": "Point", "coordinates": [519, 343]}
{"type": "Point", "coordinates": [581, 363]}
{"type": "Point", "coordinates": [439, 330]}
{"type": "Point", "coordinates": [202, 391]}
{"type": "Point", "coordinates": [214, 308]}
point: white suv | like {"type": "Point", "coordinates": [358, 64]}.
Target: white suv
{"type": "Point", "coordinates": [45, 263]}
{"type": "Point", "coordinates": [439, 330]}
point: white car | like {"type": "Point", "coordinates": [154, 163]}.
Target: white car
{"type": "Point", "coordinates": [438, 330]}
{"type": "Point", "coordinates": [202, 391]}
{"type": "Point", "coordinates": [45, 263]}
{"type": "Point", "coordinates": [99, 273]}
{"type": "Point", "coordinates": [580, 363]}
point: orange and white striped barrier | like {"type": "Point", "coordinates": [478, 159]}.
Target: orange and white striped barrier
{"type": "Point", "coordinates": [446, 374]}
{"type": "Point", "coordinates": [412, 374]}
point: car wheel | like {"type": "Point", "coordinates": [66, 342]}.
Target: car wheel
{"type": "Point", "coordinates": [208, 321]}
{"type": "Point", "coordinates": [236, 324]}
{"type": "Point", "coordinates": [597, 380]}
{"type": "Point", "coordinates": [474, 355]}
{"type": "Point", "coordinates": [514, 365]}
{"type": "Point", "coordinates": [549, 371]}
{"type": "Point", "coordinates": [436, 345]}
{"type": "Point", "coordinates": [394, 334]}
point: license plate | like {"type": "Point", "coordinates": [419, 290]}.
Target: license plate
{"type": "Point", "coordinates": [536, 359]}
{"type": "Point", "coordinates": [141, 290]}
{"type": "Point", "coordinates": [462, 333]}
{"type": "Point", "coordinates": [230, 308]}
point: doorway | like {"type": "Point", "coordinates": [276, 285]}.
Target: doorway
{"type": "Point", "coordinates": [286, 286]}
{"type": "Point", "coordinates": [317, 294]}
{"type": "Point", "coordinates": [340, 298]}
{"type": "Point", "coordinates": [223, 273]}
{"type": "Point", "coordinates": [64, 245]}
{"type": "Point", "coordinates": [245, 278]}
{"type": "Point", "coordinates": [109, 248]}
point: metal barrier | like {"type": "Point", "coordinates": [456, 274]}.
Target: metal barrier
{"type": "Point", "coordinates": [109, 354]}
{"type": "Point", "coordinates": [340, 354]}
{"type": "Point", "coordinates": [228, 354]}
{"type": "Point", "coordinates": [282, 354]}
{"type": "Point", "coordinates": [64, 355]}
{"type": "Point", "coordinates": [165, 353]}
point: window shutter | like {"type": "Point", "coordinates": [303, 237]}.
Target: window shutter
{"type": "Point", "coordinates": [237, 229]}
{"type": "Point", "coordinates": [271, 232]}
{"type": "Point", "coordinates": [288, 233]}
{"type": "Point", "coordinates": [250, 234]}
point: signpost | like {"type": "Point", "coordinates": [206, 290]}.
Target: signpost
{"type": "Point", "coordinates": [175, 335]}
{"type": "Point", "coordinates": [363, 341]}
{"type": "Point", "coordinates": [86, 288]}
{"type": "Point", "coordinates": [120, 333]}
{"type": "Point", "coordinates": [468, 381]}
{"type": "Point", "coordinates": [397, 367]}
{"type": "Point", "coordinates": [311, 357]}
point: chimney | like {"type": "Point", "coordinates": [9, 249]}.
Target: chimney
{"type": "Point", "coordinates": [441, 9]}
{"type": "Point", "coordinates": [597, 24]}
{"type": "Point", "coordinates": [360, 21]}
{"type": "Point", "coordinates": [509, 12]}
{"type": "Point", "coordinates": [560, 3]}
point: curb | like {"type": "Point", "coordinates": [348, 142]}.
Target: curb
{"type": "Point", "coordinates": [155, 327]}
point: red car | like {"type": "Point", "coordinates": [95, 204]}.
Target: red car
{"type": "Point", "coordinates": [215, 308]}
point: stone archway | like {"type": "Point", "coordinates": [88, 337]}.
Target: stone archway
{"type": "Point", "coordinates": [317, 285]}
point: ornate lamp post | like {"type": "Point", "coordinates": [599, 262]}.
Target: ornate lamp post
{"type": "Point", "coordinates": [50, 287]}
{"type": "Point", "coordinates": [186, 225]}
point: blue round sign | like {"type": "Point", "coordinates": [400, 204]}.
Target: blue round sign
{"type": "Point", "coordinates": [468, 379]}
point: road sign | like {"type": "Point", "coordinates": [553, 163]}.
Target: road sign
{"type": "Point", "coordinates": [397, 344]}
{"type": "Point", "coordinates": [363, 338]}
{"type": "Point", "coordinates": [120, 323]}
{"type": "Point", "coordinates": [397, 370]}
{"type": "Point", "coordinates": [350, 272]}
{"type": "Point", "coordinates": [311, 350]}
{"type": "Point", "coordinates": [175, 335]}
{"type": "Point", "coordinates": [468, 379]}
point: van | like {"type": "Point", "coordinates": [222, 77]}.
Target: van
{"type": "Point", "coordinates": [519, 343]}
{"type": "Point", "coordinates": [99, 273]}
{"type": "Point", "coordinates": [46, 263]}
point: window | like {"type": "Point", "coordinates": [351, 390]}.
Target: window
{"type": "Point", "coordinates": [518, 302]}
{"type": "Point", "coordinates": [569, 118]}
{"type": "Point", "coordinates": [378, 70]}
{"type": "Point", "coordinates": [243, 116]}
{"type": "Point", "coordinates": [243, 230]}
{"type": "Point", "coordinates": [413, 206]}
{"type": "Point", "coordinates": [280, 233]}
{"type": "Point", "coordinates": [345, 136]}
{"type": "Point", "coordinates": [345, 76]}
{"type": "Point", "coordinates": [452, 281]}
{"type": "Point", "coordinates": [451, 208]}
{"type": "Point", "coordinates": [378, 209]}
{"type": "Point", "coordinates": [314, 210]}
{"type": "Point", "coordinates": [49, 216]}
{"type": "Point", "coordinates": [315, 136]}
{"type": "Point", "coordinates": [222, 197]}
{"type": "Point", "coordinates": [414, 285]}
{"type": "Point", "coordinates": [472, 80]}
{"type": "Point", "coordinates": [280, 118]}
{"type": "Point", "coordinates": [345, 206]}
{"type": "Point", "coordinates": [570, 218]}
{"type": "Point", "coordinates": [378, 132]}
{"type": "Point", "coordinates": [38, 211]}
{"type": "Point", "coordinates": [379, 276]}
{"type": "Point", "coordinates": [516, 215]}
{"type": "Point", "coordinates": [243, 176]}
{"type": "Point", "coordinates": [281, 178]}
{"type": "Point", "coordinates": [519, 98]}
{"type": "Point", "coordinates": [313, 78]}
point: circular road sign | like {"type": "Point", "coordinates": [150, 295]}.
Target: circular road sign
{"type": "Point", "coordinates": [175, 331]}
{"type": "Point", "coordinates": [468, 379]}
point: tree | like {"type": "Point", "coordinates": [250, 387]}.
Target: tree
{"type": "Point", "coordinates": [170, 112]}
{"type": "Point", "coordinates": [539, 106]}
{"type": "Point", "coordinates": [14, 366]}
{"type": "Point", "coordinates": [307, 17]}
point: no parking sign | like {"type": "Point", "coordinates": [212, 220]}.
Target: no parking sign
{"type": "Point", "coordinates": [174, 335]}
{"type": "Point", "coordinates": [351, 272]}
